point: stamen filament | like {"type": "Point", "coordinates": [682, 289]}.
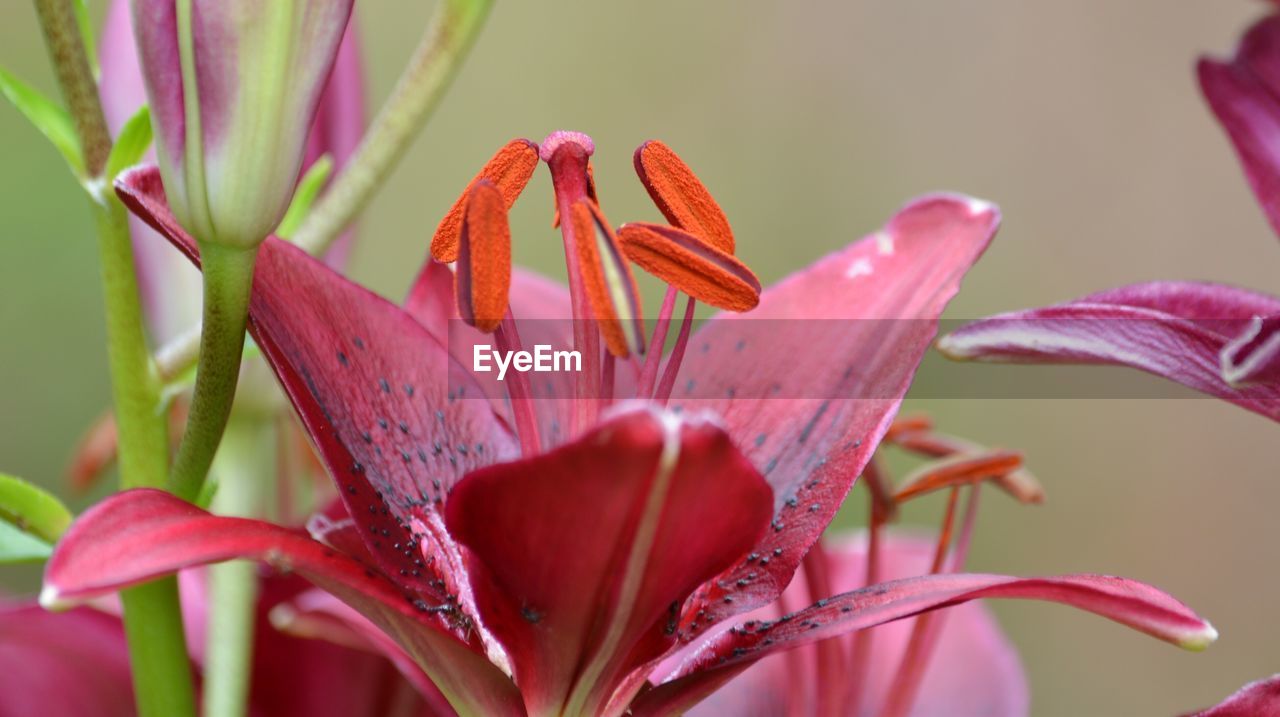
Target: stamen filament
{"type": "Point", "coordinates": [832, 664]}
{"type": "Point", "coordinates": [902, 693]}
{"type": "Point", "coordinates": [507, 338]}
{"type": "Point", "coordinates": [663, 393]}
{"type": "Point", "coordinates": [860, 654]}
{"type": "Point", "coordinates": [607, 379]}
{"type": "Point", "coordinates": [657, 342]}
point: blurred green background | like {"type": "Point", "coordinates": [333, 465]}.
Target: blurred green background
{"type": "Point", "coordinates": [812, 122]}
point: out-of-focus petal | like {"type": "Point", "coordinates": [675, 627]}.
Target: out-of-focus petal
{"type": "Point", "coordinates": [583, 556]}
{"type": "Point", "coordinates": [170, 286]}
{"type": "Point", "coordinates": [1244, 93]}
{"type": "Point", "coordinates": [1256, 699]}
{"type": "Point", "coordinates": [1177, 330]}
{"type": "Point", "coordinates": [71, 664]}
{"type": "Point", "coordinates": [809, 381]}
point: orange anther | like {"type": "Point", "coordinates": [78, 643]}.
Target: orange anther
{"type": "Point", "coordinates": [691, 265]}
{"type": "Point", "coordinates": [607, 280]}
{"type": "Point", "coordinates": [681, 196]}
{"type": "Point", "coordinates": [509, 170]}
{"type": "Point", "coordinates": [484, 258]}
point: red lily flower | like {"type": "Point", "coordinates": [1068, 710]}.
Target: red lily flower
{"type": "Point", "coordinates": [76, 664]}
{"type": "Point", "coordinates": [530, 570]}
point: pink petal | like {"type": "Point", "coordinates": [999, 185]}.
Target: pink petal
{"type": "Point", "coordinates": [600, 542]}
{"type": "Point", "coordinates": [542, 312]}
{"type": "Point", "coordinates": [1256, 699]}
{"type": "Point", "coordinates": [1244, 93]}
{"type": "Point", "coordinates": [973, 670]}
{"type": "Point", "coordinates": [1177, 330]}
{"type": "Point", "coordinates": [809, 381]}
{"type": "Point", "coordinates": [71, 664]}
{"type": "Point", "coordinates": [1130, 603]}
{"type": "Point", "coordinates": [170, 286]}
{"type": "Point", "coordinates": [142, 534]}
{"type": "Point", "coordinates": [380, 397]}
{"type": "Point", "coordinates": [345, 682]}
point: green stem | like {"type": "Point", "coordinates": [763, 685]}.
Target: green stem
{"type": "Point", "coordinates": [75, 76]}
{"type": "Point", "coordinates": [228, 280]}
{"type": "Point", "coordinates": [244, 470]}
{"type": "Point", "coordinates": [435, 62]}
{"type": "Point", "coordinates": [152, 616]}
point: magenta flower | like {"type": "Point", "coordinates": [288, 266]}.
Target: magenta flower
{"type": "Point", "coordinates": [76, 663]}
{"type": "Point", "coordinates": [1197, 334]}
{"type": "Point", "coordinates": [170, 286]}
{"type": "Point", "coordinates": [545, 555]}
{"type": "Point", "coordinates": [1221, 340]}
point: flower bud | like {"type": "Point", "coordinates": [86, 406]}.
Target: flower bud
{"type": "Point", "coordinates": [233, 87]}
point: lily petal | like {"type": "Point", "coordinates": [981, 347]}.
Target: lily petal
{"type": "Point", "coordinates": [810, 380]}
{"type": "Point", "coordinates": [317, 615]}
{"type": "Point", "coordinates": [974, 669]}
{"type": "Point", "coordinates": [1244, 93]}
{"type": "Point", "coordinates": [74, 663]}
{"type": "Point", "coordinates": [1128, 602]}
{"type": "Point", "coordinates": [540, 307]}
{"type": "Point", "coordinates": [1256, 699]}
{"type": "Point", "coordinates": [601, 542]}
{"type": "Point", "coordinates": [1177, 330]}
{"type": "Point", "coordinates": [141, 534]}
{"type": "Point", "coordinates": [377, 393]}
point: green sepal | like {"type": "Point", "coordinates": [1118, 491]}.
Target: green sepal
{"type": "Point", "coordinates": [50, 118]}
{"type": "Point", "coordinates": [133, 142]}
{"type": "Point", "coordinates": [309, 188]}
{"type": "Point", "coordinates": [31, 521]}
{"type": "Point", "coordinates": [19, 547]}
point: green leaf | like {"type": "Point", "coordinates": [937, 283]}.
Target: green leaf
{"type": "Point", "coordinates": [87, 35]}
{"type": "Point", "coordinates": [48, 117]}
{"type": "Point", "coordinates": [32, 510]}
{"type": "Point", "coordinates": [134, 139]}
{"type": "Point", "coordinates": [19, 547]}
{"type": "Point", "coordinates": [308, 189]}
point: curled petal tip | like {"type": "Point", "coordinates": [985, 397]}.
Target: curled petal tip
{"type": "Point", "coordinates": [51, 599]}
{"type": "Point", "coordinates": [1199, 640]}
